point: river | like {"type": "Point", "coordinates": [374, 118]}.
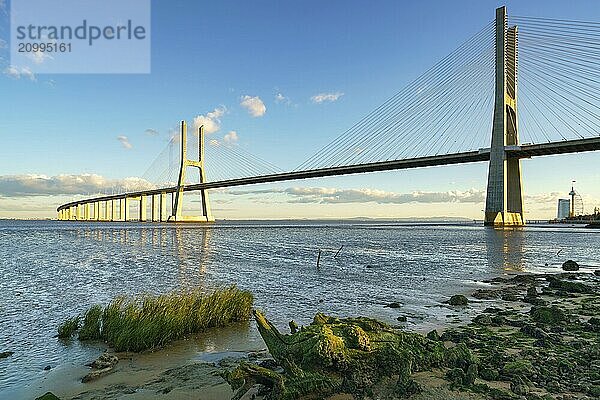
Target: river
{"type": "Point", "coordinates": [52, 270]}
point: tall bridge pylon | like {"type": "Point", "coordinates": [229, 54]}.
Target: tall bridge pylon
{"type": "Point", "coordinates": [504, 200]}
{"type": "Point", "coordinates": [177, 211]}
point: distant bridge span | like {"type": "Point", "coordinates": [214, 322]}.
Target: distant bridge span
{"type": "Point", "coordinates": [520, 152]}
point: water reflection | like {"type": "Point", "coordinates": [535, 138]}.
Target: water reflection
{"type": "Point", "coordinates": [193, 261]}
{"type": "Point", "coordinates": [189, 247]}
{"type": "Point", "coordinates": [505, 249]}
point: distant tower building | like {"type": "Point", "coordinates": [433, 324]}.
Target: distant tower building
{"type": "Point", "coordinates": [572, 193]}
{"type": "Point", "coordinates": [564, 208]}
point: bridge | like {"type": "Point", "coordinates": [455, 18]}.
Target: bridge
{"type": "Point", "coordinates": [444, 117]}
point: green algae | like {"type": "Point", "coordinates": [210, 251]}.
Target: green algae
{"type": "Point", "coordinates": [349, 355]}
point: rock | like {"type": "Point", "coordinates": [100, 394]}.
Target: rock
{"type": "Point", "coordinates": [344, 355]}
{"type": "Point", "coordinates": [6, 354]}
{"type": "Point", "coordinates": [532, 291]}
{"type": "Point", "coordinates": [458, 300]}
{"type": "Point", "coordinates": [92, 376]}
{"type": "Point", "coordinates": [534, 331]}
{"type": "Point", "coordinates": [433, 335]}
{"type": "Point", "coordinates": [567, 286]}
{"type": "Point", "coordinates": [47, 368]}
{"type": "Point", "coordinates": [597, 272]}
{"type": "Point", "coordinates": [47, 396]}
{"type": "Point", "coordinates": [293, 327]}
{"type": "Point", "coordinates": [548, 315]}
{"type": "Point", "coordinates": [401, 318]}
{"type": "Point", "coordinates": [394, 304]}
{"type": "Point", "coordinates": [489, 374]}
{"type": "Point", "coordinates": [456, 375]}
{"type": "Point", "coordinates": [105, 361]}
{"type": "Point", "coordinates": [483, 319]}
{"type": "Point", "coordinates": [517, 368]}
{"type": "Point", "coordinates": [519, 388]}
{"type": "Point", "coordinates": [570, 265]}
{"type": "Point", "coordinates": [527, 279]}
{"type": "Point", "coordinates": [510, 297]}
{"type": "Point", "coordinates": [103, 365]}
{"type": "Point", "coordinates": [471, 374]}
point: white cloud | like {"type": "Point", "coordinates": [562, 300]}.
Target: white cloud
{"type": "Point", "coordinates": [42, 185]}
{"type": "Point", "coordinates": [254, 105]}
{"type": "Point", "coordinates": [326, 97]}
{"type": "Point", "coordinates": [39, 57]}
{"type": "Point", "coordinates": [214, 143]}
{"type": "Point", "coordinates": [151, 132]}
{"type": "Point", "coordinates": [280, 98]}
{"type": "Point", "coordinates": [18, 72]}
{"type": "Point", "coordinates": [337, 196]}
{"type": "Point", "coordinates": [124, 142]}
{"type": "Point", "coordinates": [211, 121]}
{"type": "Point", "coordinates": [231, 137]}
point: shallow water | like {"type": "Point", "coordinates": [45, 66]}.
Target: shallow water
{"type": "Point", "coordinates": [52, 270]}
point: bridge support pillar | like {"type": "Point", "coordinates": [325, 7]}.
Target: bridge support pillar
{"type": "Point", "coordinates": [504, 200]}
{"type": "Point", "coordinates": [155, 207]}
{"type": "Point", "coordinates": [143, 208]}
{"type": "Point", "coordinates": [114, 215]}
{"type": "Point", "coordinates": [86, 211]}
{"type": "Point", "coordinates": [123, 210]}
{"type": "Point", "coordinates": [177, 212]}
{"type": "Point", "coordinates": [163, 207]}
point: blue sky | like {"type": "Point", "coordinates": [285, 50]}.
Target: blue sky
{"type": "Point", "coordinates": [207, 55]}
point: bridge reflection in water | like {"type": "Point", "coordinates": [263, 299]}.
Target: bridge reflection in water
{"type": "Point", "coordinates": [506, 249]}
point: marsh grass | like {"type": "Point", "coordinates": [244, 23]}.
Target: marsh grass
{"type": "Point", "coordinates": [68, 328]}
{"type": "Point", "coordinates": [149, 321]}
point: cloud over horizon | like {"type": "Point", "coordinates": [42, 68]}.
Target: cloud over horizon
{"type": "Point", "coordinates": [67, 184]}
{"type": "Point", "coordinates": [16, 72]}
{"type": "Point", "coordinates": [322, 195]}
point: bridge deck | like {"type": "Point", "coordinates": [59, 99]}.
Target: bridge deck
{"type": "Point", "coordinates": [523, 151]}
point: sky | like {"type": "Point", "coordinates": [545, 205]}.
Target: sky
{"type": "Point", "coordinates": [276, 79]}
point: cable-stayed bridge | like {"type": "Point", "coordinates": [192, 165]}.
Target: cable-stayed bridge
{"type": "Point", "coordinates": [521, 87]}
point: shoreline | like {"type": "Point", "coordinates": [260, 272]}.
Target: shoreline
{"type": "Point", "coordinates": [190, 368]}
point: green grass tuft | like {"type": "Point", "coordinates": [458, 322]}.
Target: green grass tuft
{"type": "Point", "coordinates": [149, 321]}
{"type": "Point", "coordinates": [68, 328]}
{"type": "Point", "coordinates": [91, 324]}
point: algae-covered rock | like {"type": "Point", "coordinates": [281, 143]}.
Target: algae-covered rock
{"type": "Point", "coordinates": [548, 315]}
{"type": "Point", "coordinates": [350, 355]}
{"type": "Point", "coordinates": [570, 265]}
{"type": "Point", "coordinates": [458, 300]}
{"type": "Point", "coordinates": [47, 396]}
{"type": "Point", "coordinates": [567, 286]}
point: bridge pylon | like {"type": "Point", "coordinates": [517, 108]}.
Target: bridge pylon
{"type": "Point", "coordinates": [177, 211]}
{"type": "Point", "coordinates": [504, 200]}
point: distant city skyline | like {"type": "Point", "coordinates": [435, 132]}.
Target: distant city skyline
{"type": "Point", "coordinates": [278, 80]}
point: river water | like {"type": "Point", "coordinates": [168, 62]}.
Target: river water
{"type": "Point", "coordinates": [52, 270]}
